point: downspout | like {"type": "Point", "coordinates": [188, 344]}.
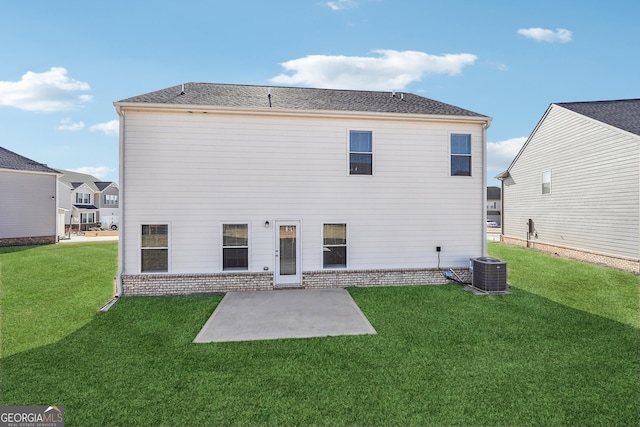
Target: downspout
{"type": "Point", "coordinates": [121, 228]}
{"type": "Point", "coordinates": [485, 126]}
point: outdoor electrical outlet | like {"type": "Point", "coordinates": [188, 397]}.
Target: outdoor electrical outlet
{"type": "Point", "coordinates": [438, 248]}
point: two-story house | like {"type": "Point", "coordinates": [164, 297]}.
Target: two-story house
{"type": "Point", "coordinates": [90, 202]}
{"type": "Point", "coordinates": [233, 187]}
{"type": "Point", "coordinates": [574, 187]}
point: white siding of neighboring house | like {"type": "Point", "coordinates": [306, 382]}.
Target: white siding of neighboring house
{"type": "Point", "coordinates": [594, 201]}
{"type": "Point", "coordinates": [198, 171]}
{"type": "Point", "coordinates": [64, 200]}
{"type": "Point", "coordinates": [28, 205]}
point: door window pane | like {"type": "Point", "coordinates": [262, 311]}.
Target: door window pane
{"type": "Point", "coordinates": [288, 250]}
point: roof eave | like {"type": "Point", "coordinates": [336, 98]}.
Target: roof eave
{"type": "Point", "coordinates": [205, 109]}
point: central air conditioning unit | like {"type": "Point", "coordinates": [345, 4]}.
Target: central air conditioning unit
{"type": "Point", "coordinates": [489, 274]}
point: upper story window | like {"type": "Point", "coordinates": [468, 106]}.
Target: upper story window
{"type": "Point", "coordinates": [360, 152]}
{"type": "Point", "coordinates": [83, 198]}
{"type": "Point", "coordinates": [155, 248]}
{"type": "Point", "coordinates": [235, 246]}
{"type": "Point", "coordinates": [546, 182]}
{"type": "Point", "coordinates": [334, 246]}
{"type": "Point", "coordinates": [460, 154]}
{"type": "Point", "coordinates": [110, 199]}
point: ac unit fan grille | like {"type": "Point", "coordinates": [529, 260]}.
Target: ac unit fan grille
{"type": "Point", "coordinates": [489, 274]}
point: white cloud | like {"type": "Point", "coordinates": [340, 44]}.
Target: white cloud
{"type": "Point", "coordinates": [99, 172]}
{"type": "Point", "coordinates": [392, 69]}
{"type": "Point", "coordinates": [543, 35]}
{"type": "Point", "coordinates": [500, 154]}
{"type": "Point", "coordinates": [341, 4]}
{"type": "Point", "coordinates": [68, 124]}
{"type": "Point", "coordinates": [48, 91]}
{"type": "Point", "coordinates": [109, 128]}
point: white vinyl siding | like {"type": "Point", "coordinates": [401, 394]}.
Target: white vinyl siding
{"type": "Point", "coordinates": [211, 168]}
{"type": "Point", "coordinates": [594, 201]}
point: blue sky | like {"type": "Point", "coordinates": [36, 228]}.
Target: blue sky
{"type": "Point", "coordinates": [63, 64]}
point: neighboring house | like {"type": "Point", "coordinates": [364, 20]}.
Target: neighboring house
{"type": "Point", "coordinates": [494, 204]}
{"type": "Point", "coordinates": [90, 202]}
{"type": "Point", "coordinates": [28, 212]}
{"type": "Point", "coordinates": [574, 188]}
{"type": "Point", "coordinates": [230, 187]}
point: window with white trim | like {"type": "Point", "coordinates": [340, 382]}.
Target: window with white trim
{"type": "Point", "coordinates": [110, 199]}
{"type": "Point", "coordinates": [460, 154]}
{"type": "Point", "coordinates": [334, 246]}
{"type": "Point", "coordinates": [83, 198]}
{"type": "Point", "coordinates": [87, 217]}
{"type": "Point", "coordinates": [235, 246]}
{"type": "Point", "coordinates": [360, 152]}
{"type": "Point", "coordinates": [155, 248]}
{"type": "Point", "coordinates": [546, 182]}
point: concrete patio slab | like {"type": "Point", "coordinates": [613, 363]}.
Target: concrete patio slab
{"type": "Point", "coordinates": [267, 315]}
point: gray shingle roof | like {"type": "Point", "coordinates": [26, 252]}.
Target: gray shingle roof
{"type": "Point", "coordinates": [296, 98]}
{"type": "Point", "coordinates": [11, 160]}
{"type": "Point", "coordinates": [76, 179]}
{"type": "Point", "coordinates": [623, 114]}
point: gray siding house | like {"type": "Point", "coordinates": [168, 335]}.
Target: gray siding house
{"type": "Point", "coordinates": [28, 211]}
{"type": "Point", "coordinates": [574, 188]}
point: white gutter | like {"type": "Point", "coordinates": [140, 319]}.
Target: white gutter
{"type": "Point", "coordinates": [205, 109]}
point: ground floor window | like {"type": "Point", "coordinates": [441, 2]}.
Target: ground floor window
{"type": "Point", "coordinates": [235, 246]}
{"type": "Point", "coordinates": [87, 217]}
{"type": "Point", "coordinates": [334, 246]}
{"type": "Point", "coordinates": [155, 248]}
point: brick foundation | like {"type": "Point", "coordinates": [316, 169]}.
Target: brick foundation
{"type": "Point", "coordinates": [187, 284]}
{"type": "Point", "coordinates": [26, 241]}
{"type": "Point", "coordinates": [622, 263]}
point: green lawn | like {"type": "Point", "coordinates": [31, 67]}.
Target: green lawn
{"type": "Point", "coordinates": [546, 354]}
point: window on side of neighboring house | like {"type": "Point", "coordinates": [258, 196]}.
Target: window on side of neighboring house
{"type": "Point", "coordinates": [235, 246]}
{"type": "Point", "coordinates": [334, 246]}
{"type": "Point", "coordinates": [83, 198]}
{"type": "Point", "coordinates": [87, 217]}
{"type": "Point", "coordinates": [360, 152]}
{"type": "Point", "coordinates": [155, 248]}
{"type": "Point", "coordinates": [110, 199]}
{"type": "Point", "coordinates": [460, 154]}
{"type": "Point", "coordinates": [546, 182]}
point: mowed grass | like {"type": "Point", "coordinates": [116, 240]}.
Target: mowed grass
{"type": "Point", "coordinates": [607, 292]}
{"type": "Point", "coordinates": [47, 292]}
{"type": "Point", "coordinates": [441, 356]}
